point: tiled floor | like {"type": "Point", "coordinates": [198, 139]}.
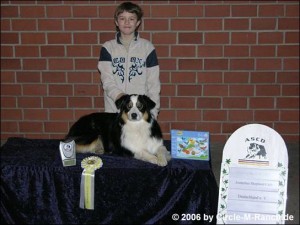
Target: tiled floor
{"type": "Point", "coordinates": [292, 207]}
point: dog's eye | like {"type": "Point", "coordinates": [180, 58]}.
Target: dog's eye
{"type": "Point", "coordinates": [129, 105]}
{"type": "Point", "coordinates": [139, 105]}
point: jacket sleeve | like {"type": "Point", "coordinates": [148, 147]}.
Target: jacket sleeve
{"type": "Point", "coordinates": [107, 78]}
{"type": "Point", "coordinates": [153, 81]}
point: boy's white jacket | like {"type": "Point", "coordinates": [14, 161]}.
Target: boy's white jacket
{"type": "Point", "coordinates": [135, 71]}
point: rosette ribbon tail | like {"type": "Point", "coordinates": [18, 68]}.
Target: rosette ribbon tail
{"type": "Point", "coordinates": [87, 189]}
{"type": "Point", "coordinates": [87, 184]}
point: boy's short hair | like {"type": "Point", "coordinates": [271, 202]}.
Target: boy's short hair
{"type": "Point", "coordinates": [129, 7]}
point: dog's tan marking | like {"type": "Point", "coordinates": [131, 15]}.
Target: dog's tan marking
{"type": "Point", "coordinates": [124, 117]}
{"type": "Point", "coordinates": [95, 147]}
{"type": "Point", "coordinates": [146, 116]}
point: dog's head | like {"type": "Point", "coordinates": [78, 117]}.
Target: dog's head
{"type": "Point", "coordinates": [253, 149]}
{"type": "Point", "coordinates": [135, 107]}
{"type": "Point", "coordinates": [253, 146]}
{"type": "Point", "coordinates": [256, 150]}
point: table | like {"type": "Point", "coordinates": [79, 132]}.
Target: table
{"type": "Point", "coordinates": [37, 189]}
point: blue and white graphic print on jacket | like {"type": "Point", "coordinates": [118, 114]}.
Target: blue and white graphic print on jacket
{"type": "Point", "coordinates": [135, 71]}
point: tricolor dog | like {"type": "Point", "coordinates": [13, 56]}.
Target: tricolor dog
{"type": "Point", "coordinates": [133, 131]}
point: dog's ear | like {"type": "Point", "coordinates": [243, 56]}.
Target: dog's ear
{"type": "Point", "coordinates": [120, 102]}
{"type": "Point", "coordinates": [151, 104]}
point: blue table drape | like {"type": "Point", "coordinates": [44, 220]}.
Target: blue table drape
{"type": "Point", "coordinates": [37, 189]}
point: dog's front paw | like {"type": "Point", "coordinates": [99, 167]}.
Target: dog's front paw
{"type": "Point", "coordinates": [99, 151]}
{"type": "Point", "coordinates": [145, 156]}
{"type": "Point", "coordinates": [168, 156]}
{"type": "Point", "coordinates": [163, 156]}
{"type": "Point", "coordinates": [162, 161]}
{"type": "Point", "coordinates": [154, 160]}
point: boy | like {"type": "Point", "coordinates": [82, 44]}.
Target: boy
{"type": "Point", "coordinates": [128, 64]}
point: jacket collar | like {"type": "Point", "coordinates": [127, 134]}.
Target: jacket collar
{"type": "Point", "coordinates": [118, 36]}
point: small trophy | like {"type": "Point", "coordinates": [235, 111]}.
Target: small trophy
{"type": "Point", "coordinates": [68, 153]}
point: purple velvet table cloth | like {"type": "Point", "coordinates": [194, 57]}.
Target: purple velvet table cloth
{"type": "Point", "coordinates": [37, 189]}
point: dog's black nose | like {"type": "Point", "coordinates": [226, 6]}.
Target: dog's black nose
{"type": "Point", "coordinates": [133, 116]}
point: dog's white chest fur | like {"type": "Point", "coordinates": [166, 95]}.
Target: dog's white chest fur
{"type": "Point", "coordinates": [136, 137]}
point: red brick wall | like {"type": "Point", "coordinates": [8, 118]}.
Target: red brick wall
{"type": "Point", "coordinates": [224, 64]}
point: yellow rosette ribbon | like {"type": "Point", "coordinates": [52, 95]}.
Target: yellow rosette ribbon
{"type": "Point", "coordinates": [87, 185]}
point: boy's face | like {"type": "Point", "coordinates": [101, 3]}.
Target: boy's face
{"type": "Point", "coordinates": [127, 23]}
